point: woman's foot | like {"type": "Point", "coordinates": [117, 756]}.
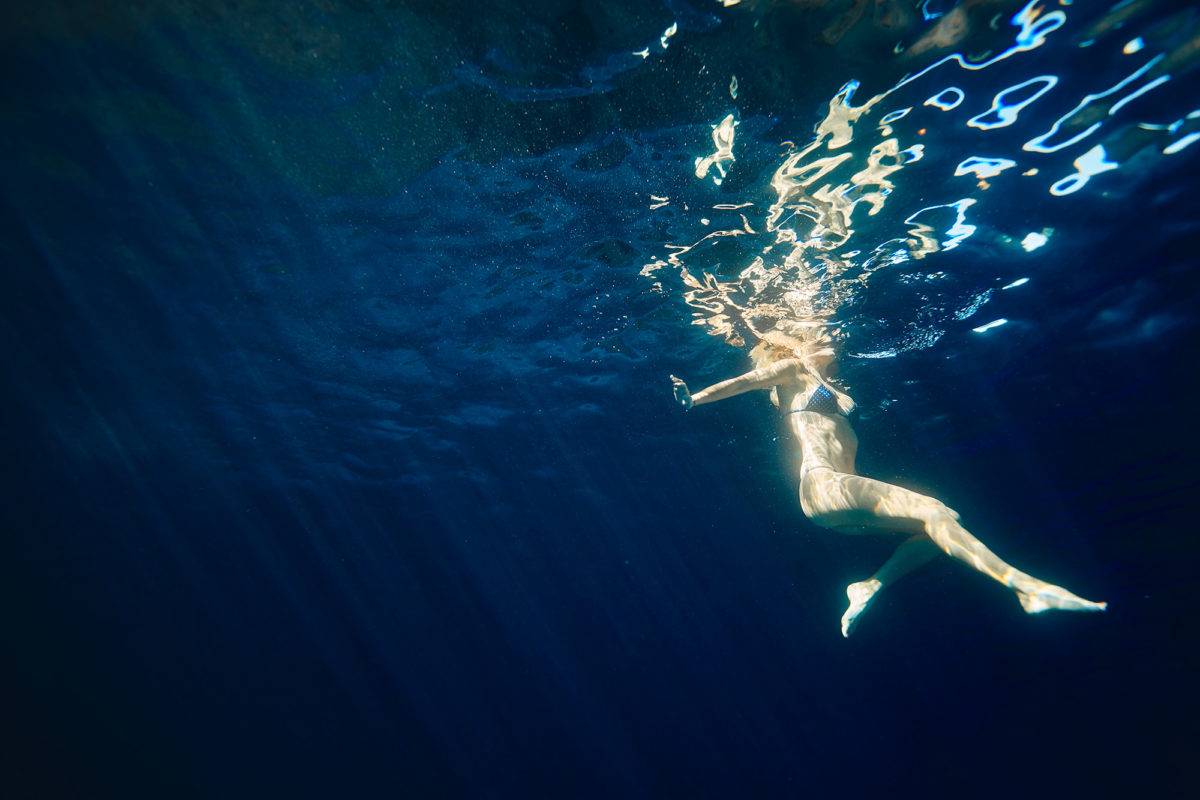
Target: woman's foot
{"type": "Point", "coordinates": [860, 595]}
{"type": "Point", "coordinates": [1040, 597]}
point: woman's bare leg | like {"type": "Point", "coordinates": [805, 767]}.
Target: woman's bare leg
{"type": "Point", "coordinates": [916, 551]}
{"type": "Point", "coordinates": [838, 500]}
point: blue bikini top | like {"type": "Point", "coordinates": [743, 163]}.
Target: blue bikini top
{"type": "Point", "coordinates": [824, 401]}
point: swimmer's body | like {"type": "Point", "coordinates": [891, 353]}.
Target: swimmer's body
{"type": "Point", "coordinates": [833, 496]}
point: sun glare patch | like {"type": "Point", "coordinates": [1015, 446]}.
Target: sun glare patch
{"type": "Point", "coordinates": [946, 99]}
{"type": "Point", "coordinates": [983, 167]}
{"type": "Point", "coordinates": [996, 323]}
{"type": "Point", "coordinates": [1175, 147]}
{"type": "Point", "coordinates": [1033, 241]}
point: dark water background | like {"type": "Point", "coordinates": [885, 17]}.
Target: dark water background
{"type": "Point", "coordinates": [341, 460]}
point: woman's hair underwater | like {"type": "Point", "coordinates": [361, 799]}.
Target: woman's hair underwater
{"type": "Point", "coordinates": [809, 342]}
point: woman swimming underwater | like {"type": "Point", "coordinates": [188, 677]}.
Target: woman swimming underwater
{"type": "Point", "coordinates": [793, 367]}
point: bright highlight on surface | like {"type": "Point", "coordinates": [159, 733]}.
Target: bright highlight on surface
{"type": "Point", "coordinates": [957, 232]}
{"type": "Point", "coordinates": [1154, 84]}
{"type": "Point", "coordinates": [1175, 147]}
{"type": "Point", "coordinates": [1015, 284]}
{"type": "Point", "coordinates": [983, 167]}
{"type": "Point", "coordinates": [1038, 144]}
{"type": "Point", "coordinates": [946, 99]}
{"type": "Point", "coordinates": [1093, 162]}
{"type": "Point", "coordinates": [1003, 113]}
{"type": "Point", "coordinates": [723, 133]}
{"type": "Point", "coordinates": [1032, 242]}
{"type": "Point", "coordinates": [993, 324]}
{"type": "Point", "coordinates": [667, 34]}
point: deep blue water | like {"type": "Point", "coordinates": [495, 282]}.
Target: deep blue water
{"type": "Point", "coordinates": [341, 458]}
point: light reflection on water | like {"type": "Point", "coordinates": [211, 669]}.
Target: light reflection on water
{"type": "Point", "coordinates": [811, 253]}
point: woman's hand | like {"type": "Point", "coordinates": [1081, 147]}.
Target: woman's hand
{"type": "Point", "coordinates": [682, 395]}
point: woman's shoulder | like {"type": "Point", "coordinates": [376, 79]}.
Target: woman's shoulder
{"type": "Point", "coordinates": [791, 370]}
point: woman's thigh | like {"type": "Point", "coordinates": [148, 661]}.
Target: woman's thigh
{"type": "Point", "coordinates": [846, 502]}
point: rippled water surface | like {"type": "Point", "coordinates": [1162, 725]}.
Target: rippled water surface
{"type": "Point", "coordinates": [341, 451]}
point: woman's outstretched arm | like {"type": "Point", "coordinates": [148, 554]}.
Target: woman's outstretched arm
{"type": "Point", "coordinates": [765, 378]}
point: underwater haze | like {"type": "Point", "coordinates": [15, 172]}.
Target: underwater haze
{"type": "Point", "coordinates": [341, 452]}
